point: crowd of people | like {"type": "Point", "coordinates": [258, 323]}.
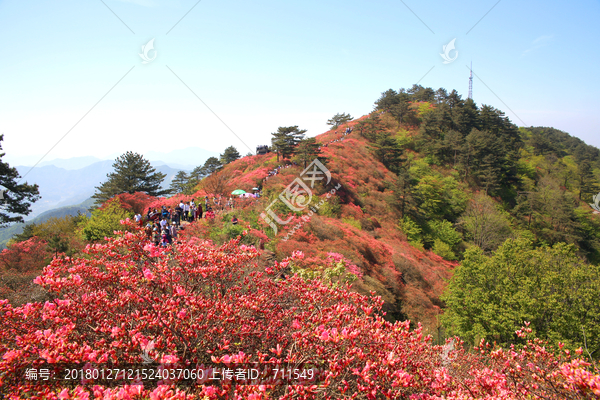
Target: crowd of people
{"type": "Point", "coordinates": [276, 170]}
{"type": "Point", "coordinates": [162, 225]}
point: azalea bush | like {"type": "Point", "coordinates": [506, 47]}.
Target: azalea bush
{"type": "Point", "coordinates": [20, 263]}
{"type": "Point", "coordinates": [199, 304]}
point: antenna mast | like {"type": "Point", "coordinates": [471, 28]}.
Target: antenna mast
{"type": "Point", "coordinates": [471, 83]}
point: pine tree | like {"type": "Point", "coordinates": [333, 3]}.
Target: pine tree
{"type": "Point", "coordinates": [307, 151]}
{"type": "Point", "coordinates": [230, 154]}
{"type": "Point", "coordinates": [15, 198]}
{"type": "Point", "coordinates": [285, 140]}
{"type": "Point", "coordinates": [338, 119]}
{"type": "Point", "coordinates": [180, 182]}
{"type": "Point", "coordinates": [389, 152]}
{"type": "Point", "coordinates": [197, 173]}
{"type": "Point", "coordinates": [588, 184]}
{"type": "Point", "coordinates": [132, 173]}
{"type": "Point", "coordinates": [211, 165]}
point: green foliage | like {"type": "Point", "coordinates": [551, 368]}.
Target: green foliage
{"type": "Point", "coordinates": [132, 173]}
{"type": "Point", "coordinates": [444, 237]}
{"type": "Point", "coordinates": [103, 222]}
{"type": "Point", "coordinates": [438, 196]}
{"type": "Point", "coordinates": [550, 287]}
{"type": "Point", "coordinates": [389, 152]}
{"type": "Point", "coordinates": [286, 139]}
{"type": "Point", "coordinates": [412, 230]}
{"type": "Point", "coordinates": [307, 151]}
{"type": "Point", "coordinates": [370, 127]}
{"type": "Point", "coordinates": [351, 221]}
{"type": "Point", "coordinates": [16, 197]}
{"type": "Point", "coordinates": [28, 233]}
{"type": "Point", "coordinates": [331, 207]}
{"type": "Point", "coordinates": [229, 155]}
{"type": "Point", "coordinates": [211, 165]}
{"type": "Point", "coordinates": [334, 276]}
{"type": "Point", "coordinates": [443, 250]}
{"type": "Point", "coordinates": [484, 223]}
{"type": "Point", "coordinates": [338, 119]}
{"type": "Point", "coordinates": [182, 183]}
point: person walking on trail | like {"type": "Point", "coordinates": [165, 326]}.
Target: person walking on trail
{"type": "Point", "coordinates": [192, 210]}
{"type": "Point", "coordinates": [177, 215]}
{"type": "Point", "coordinates": [164, 238]}
{"type": "Point", "coordinates": [173, 230]}
{"type": "Point", "coordinates": [148, 230]}
{"type": "Point", "coordinates": [156, 236]}
{"type": "Point", "coordinates": [186, 211]}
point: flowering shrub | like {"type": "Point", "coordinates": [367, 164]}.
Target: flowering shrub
{"type": "Point", "coordinates": [19, 264]}
{"type": "Point", "coordinates": [137, 202]}
{"type": "Point", "coordinates": [206, 304]}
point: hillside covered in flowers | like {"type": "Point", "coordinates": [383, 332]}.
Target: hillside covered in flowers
{"type": "Point", "coordinates": [448, 254]}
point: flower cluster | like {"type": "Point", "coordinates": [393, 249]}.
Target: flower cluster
{"type": "Point", "coordinates": [204, 304]}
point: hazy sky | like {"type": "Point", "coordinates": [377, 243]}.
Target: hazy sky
{"type": "Point", "coordinates": [262, 64]}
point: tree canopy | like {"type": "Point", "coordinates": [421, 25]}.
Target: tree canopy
{"type": "Point", "coordinates": [307, 151]}
{"type": "Point", "coordinates": [15, 198]}
{"type": "Point", "coordinates": [132, 173]}
{"type": "Point", "coordinates": [286, 139]}
{"type": "Point", "coordinates": [183, 183]}
{"type": "Point", "coordinates": [550, 287]}
{"type": "Point", "coordinates": [230, 154]}
{"type": "Point", "coordinates": [338, 119]}
{"type": "Point", "coordinates": [211, 165]}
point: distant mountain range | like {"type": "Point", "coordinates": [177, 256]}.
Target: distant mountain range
{"type": "Point", "coordinates": [182, 159]}
{"type": "Point", "coordinates": [7, 233]}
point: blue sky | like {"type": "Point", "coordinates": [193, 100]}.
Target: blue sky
{"type": "Point", "coordinates": [263, 64]}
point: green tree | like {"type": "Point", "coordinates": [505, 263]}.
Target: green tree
{"type": "Point", "coordinates": [285, 140]}
{"type": "Point", "coordinates": [405, 193]}
{"type": "Point", "coordinates": [307, 151]}
{"type": "Point", "coordinates": [103, 221]}
{"type": "Point", "coordinates": [59, 234]}
{"type": "Point", "coordinates": [338, 119]}
{"type": "Point", "coordinates": [482, 158]}
{"type": "Point", "coordinates": [420, 93]}
{"type": "Point", "coordinates": [28, 233]}
{"type": "Point", "coordinates": [484, 223]}
{"type": "Point", "coordinates": [180, 183]}
{"type": "Point", "coordinates": [132, 173]}
{"type": "Point", "coordinates": [550, 287]}
{"type": "Point", "coordinates": [211, 165]}
{"type": "Point", "coordinates": [588, 184]}
{"type": "Point", "coordinates": [197, 173]}
{"type": "Point", "coordinates": [229, 155]}
{"type": "Point", "coordinates": [15, 198]}
{"type": "Point", "coordinates": [389, 152]}
{"type": "Point", "coordinates": [370, 127]}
